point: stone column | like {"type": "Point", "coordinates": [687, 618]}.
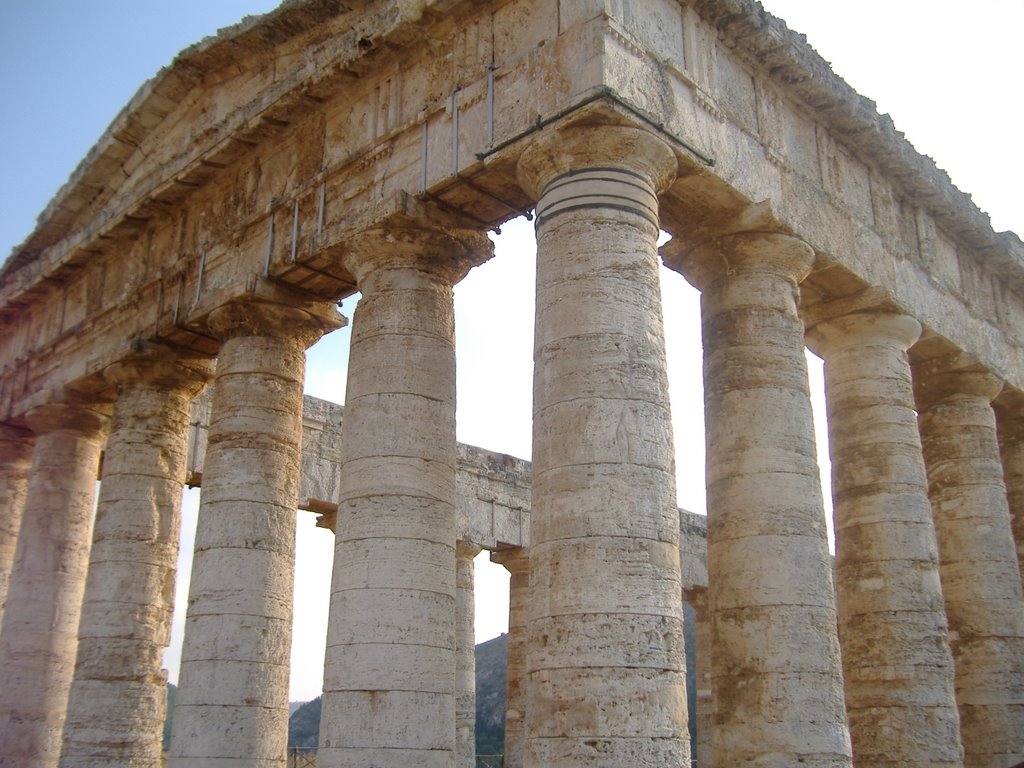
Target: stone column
{"type": "Point", "coordinates": [776, 672]}
{"type": "Point", "coordinates": [118, 697]}
{"type": "Point", "coordinates": [15, 460]}
{"type": "Point", "coordinates": [607, 667]}
{"type": "Point", "coordinates": [897, 664]}
{"type": "Point", "coordinates": [977, 559]}
{"type": "Point", "coordinates": [465, 656]}
{"type": "Point", "coordinates": [517, 563]}
{"type": "Point", "coordinates": [698, 598]}
{"type": "Point", "coordinates": [389, 675]}
{"type": "Point", "coordinates": [39, 634]}
{"type": "Point", "coordinates": [232, 702]}
{"type": "Point", "coordinates": [1009, 410]}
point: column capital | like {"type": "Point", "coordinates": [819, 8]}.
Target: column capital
{"type": "Point", "coordinates": [61, 413]}
{"type": "Point", "coordinates": [161, 367]}
{"type": "Point", "coordinates": [883, 325]}
{"type": "Point", "coordinates": [561, 152]}
{"type": "Point", "coordinates": [467, 550]}
{"type": "Point", "coordinates": [753, 240]}
{"type": "Point", "coordinates": [774, 252]}
{"type": "Point", "coordinates": [1009, 407]}
{"type": "Point", "coordinates": [382, 257]}
{"type": "Point", "coordinates": [697, 597]}
{"type": "Point", "coordinates": [15, 445]}
{"type": "Point", "coordinates": [514, 559]}
{"type": "Point", "coordinates": [274, 314]}
{"type": "Point", "coordinates": [935, 384]}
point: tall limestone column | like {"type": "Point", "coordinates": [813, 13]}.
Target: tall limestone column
{"type": "Point", "coordinates": [118, 698]}
{"type": "Point", "coordinates": [1009, 408]}
{"type": "Point", "coordinates": [232, 702]}
{"type": "Point", "coordinates": [897, 663]}
{"type": "Point", "coordinates": [607, 669]}
{"type": "Point", "coordinates": [465, 655]}
{"type": "Point", "coordinates": [39, 634]}
{"type": "Point", "coordinates": [977, 559]}
{"type": "Point", "coordinates": [389, 673]}
{"type": "Point", "coordinates": [15, 460]}
{"type": "Point", "coordinates": [517, 563]}
{"type": "Point", "coordinates": [776, 671]}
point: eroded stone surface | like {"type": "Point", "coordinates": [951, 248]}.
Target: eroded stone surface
{"type": "Point", "coordinates": [118, 699]}
{"type": "Point", "coordinates": [393, 593]}
{"type": "Point", "coordinates": [977, 559]}
{"type": "Point", "coordinates": [604, 574]}
{"type": "Point", "coordinates": [776, 675]}
{"type": "Point", "coordinates": [232, 704]}
{"type": "Point", "coordinates": [278, 145]}
{"type": "Point", "coordinates": [38, 638]}
{"type": "Point", "coordinates": [897, 665]}
{"type": "Point", "coordinates": [15, 460]}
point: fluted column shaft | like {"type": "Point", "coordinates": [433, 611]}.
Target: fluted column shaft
{"type": "Point", "coordinates": [39, 634]}
{"type": "Point", "coordinates": [897, 663]}
{"type": "Point", "coordinates": [777, 677]}
{"type": "Point", "coordinates": [517, 563]}
{"type": "Point", "coordinates": [465, 656]}
{"type": "Point", "coordinates": [606, 655]}
{"type": "Point", "coordinates": [15, 461]}
{"type": "Point", "coordinates": [232, 701]}
{"type": "Point", "coordinates": [1010, 424]}
{"type": "Point", "coordinates": [118, 698]}
{"type": "Point", "coordinates": [978, 562]}
{"type": "Point", "coordinates": [389, 678]}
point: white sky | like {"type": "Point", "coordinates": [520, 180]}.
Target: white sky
{"type": "Point", "coordinates": [948, 72]}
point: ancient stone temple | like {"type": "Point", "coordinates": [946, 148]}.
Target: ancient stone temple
{"type": "Point", "coordinates": [334, 147]}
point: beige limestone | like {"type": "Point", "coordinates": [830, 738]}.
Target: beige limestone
{"type": "Point", "coordinates": [465, 656]}
{"type": "Point", "coordinates": [39, 634]}
{"type": "Point", "coordinates": [268, 148]}
{"type": "Point", "coordinates": [517, 562]}
{"type": "Point", "coordinates": [15, 461]}
{"type": "Point", "coordinates": [232, 702]}
{"type": "Point", "coordinates": [777, 679]}
{"type": "Point", "coordinates": [977, 559]}
{"type": "Point", "coordinates": [897, 664]}
{"type": "Point", "coordinates": [118, 698]}
{"type": "Point", "coordinates": [1009, 408]}
{"type": "Point", "coordinates": [606, 658]}
{"type": "Point", "coordinates": [389, 679]}
{"type": "Point", "coordinates": [698, 598]}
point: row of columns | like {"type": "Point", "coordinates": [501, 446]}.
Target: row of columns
{"type": "Point", "coordinates": [930, 615]}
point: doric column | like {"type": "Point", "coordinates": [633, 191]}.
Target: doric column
{"type": "Point", "coordinates": [517, 563]}
{"type": "Point", "coordinates": [118, 698]}
{"type": "Point", "coordinates": [1009, 410]}
{"type": "Point", "coordinates": [897, 664]}
{"type": "Point", "coordinates": [977, 559]}
{"type": "Point", "coordinates": [606, 652]}
{"type": "Point", "coordinates": [698, 598]}
{"type": "Point", "coordinates": [465, 656]}
{"type": "Point", "coordinates": [232, 702]}
{"type": "Point", "coordinates": [15, 460]}
{"type": "Point", "coordinates": [776, 672]}
{"type": "Point", "coordinates": [38, 638]}
{"type": "Point", "coordinates": [389, 676]}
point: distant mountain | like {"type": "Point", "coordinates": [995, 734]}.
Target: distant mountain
{"type": "Point", "coordinates": [304, 726]}
{"type": "Point", "coordinates": [491, 669]}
